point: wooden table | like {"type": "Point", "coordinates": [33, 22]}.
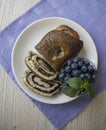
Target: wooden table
{"type": "Point", "coordinates": [17, 112]}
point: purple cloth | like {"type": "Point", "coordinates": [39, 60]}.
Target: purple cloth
{"type": "Point", "coordinates": [92, 16]}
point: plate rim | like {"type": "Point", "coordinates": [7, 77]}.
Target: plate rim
{"type": "Point", "coordinates": [27, 27]}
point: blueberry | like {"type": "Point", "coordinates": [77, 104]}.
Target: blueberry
{"type": "Point", "coordinates": [68, 69]}
{"type": "Point", "coordinates": [62, 71]}
{"type": "Point", "coordinates": [74, 65]}
{"type": "Point", "coordinates": [84, 68]}
{"type": "Point", "coordinates": [93, 78]}
{"type": "Point", "coordinates": [88, 76]}
{"type": "Point", "coordinates": [72, 73]}
{"type": "Point", "coordinates": [86, 62]}
{"type": "Point", "coordinates": [66, 78]}
{"type": "Point", "coordinates": [69, 75]}
{"type": "Point", "coordinates": [76, 73]}
{"type": "Point", "coordinates": [69, 62]}
{"type": "Point", "coordinates": [61, 76]}
{"type": "Point", "coordinates": [82, 76]}
{"type": "Point", "coordinates": [76, 59]}
{"type": "Point", "coordinates": [81, 63]}
{"type": "Point", "coordinates": [91, 69]}
{"type": "Point", "coordinates": [64, 84]}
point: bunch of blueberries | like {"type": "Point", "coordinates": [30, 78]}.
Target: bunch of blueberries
{"type": "Point", "coordinates": [78, 67]}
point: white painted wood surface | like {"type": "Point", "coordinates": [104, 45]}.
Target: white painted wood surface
{"type": "Point", "coordinates": [17, 112]}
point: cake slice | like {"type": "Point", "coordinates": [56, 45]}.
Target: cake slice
{"type": "Point", "coordinates": [41, 86]}
{"type": "Point", "coordinates": [39, 66]}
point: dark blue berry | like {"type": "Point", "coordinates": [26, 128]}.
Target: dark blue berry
{"type": "Point", "coordinates": [68, 69]}
{"type": "Point", "coordinates": [84, 69]}
{"type": "Point", "coordinates": [82, 76]}
{"type": "Point", "coordinates": [66, 78]}
{"type": "Point", "coordinates": [86, 62]}
{"type": "Point", "coordinates": [81, 63]}
{"type": "Point", "coordinates": [69, 62]}
{"type": "Point", "coordinates": [68, 75]}
{"type": "Point", "coordinates": [61, 76]}
{"type": "Point", "coordinates": [76, 59]}
{"type": "Point", "coordinates": [62, 71]}
{"type": "Point", "coordinates": [64, 84]}
{"type": "Point", "coordinates": [74, 65]}
{"type": "Point", "coordinates": [72, 73]}
{"type": "Point", "coordinates": [88, 76]}
{"type": "Point", "coordinates": [91, 69]}
{"type": "Point", "coordinates": [76, 73]}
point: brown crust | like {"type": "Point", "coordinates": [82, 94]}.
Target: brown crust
{"type": "Point", "coordinates": [55, 41]}
{"type": "Point", "coordinates": [68, 30]}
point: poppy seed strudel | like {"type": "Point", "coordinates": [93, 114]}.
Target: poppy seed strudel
{"type": "Point", "coordinates": [39, 66]}
{"type": "Point", "coordinates": [41, 86]}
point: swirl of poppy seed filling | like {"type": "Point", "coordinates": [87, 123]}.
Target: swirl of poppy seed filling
{"type": "Point", "coordinates": [40, 67]}
{"type": "Point", "coordinates": [41, 86]}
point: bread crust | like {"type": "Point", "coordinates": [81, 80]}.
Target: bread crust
{"type": "Point", "coordinates": [57, 46]}
{"type": "Point", "coordinates": [68, 30]}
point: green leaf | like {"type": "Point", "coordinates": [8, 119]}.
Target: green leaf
{"type": "Point", "coordinates": [90, 90]}
{"type": "Point", "coordinates": [70, 91]}
{"type": "Point", "coordinates": [76, 85]}
{"type": "Point", "coordinates": [75, 82]}
{"type": "Point", "coordinates": [85, 84]}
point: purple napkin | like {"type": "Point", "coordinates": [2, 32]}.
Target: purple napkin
{"type": "Point", "coordinates": [92, 16]}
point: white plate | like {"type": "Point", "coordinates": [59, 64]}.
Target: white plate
{"type": "Point", "coordinates": [31, 36]}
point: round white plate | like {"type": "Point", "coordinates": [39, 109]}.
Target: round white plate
{"type": "Point", "coordinates": [31, 36]}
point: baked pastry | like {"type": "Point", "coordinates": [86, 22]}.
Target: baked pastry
{"type": "Point", "coordinates": [58, 46]}
{"type": "Point", "coordinates": [41, 86]}
{"type": "Point", "coordinates": [39, 66]}
{"type": "Point", "coordinates": [68, 30]}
